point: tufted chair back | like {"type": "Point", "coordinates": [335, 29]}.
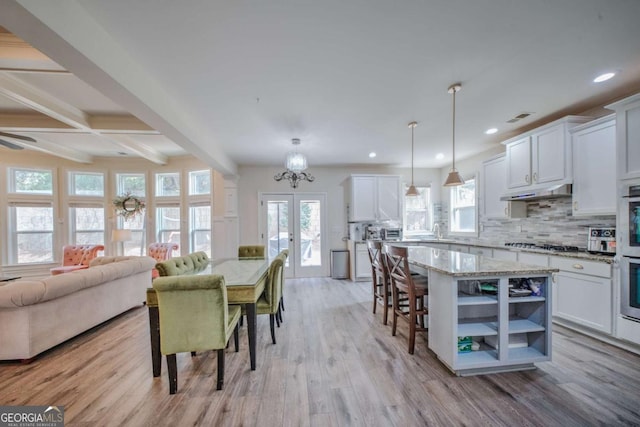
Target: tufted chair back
{"type": "Point", "coordinates": [251, 251]}
{"type": "Point", "coordinates": [76, 257]}
{"type": "Point", "coordinates": [162, 251]}
{"type": "Point", "coordinates": [181, 265]}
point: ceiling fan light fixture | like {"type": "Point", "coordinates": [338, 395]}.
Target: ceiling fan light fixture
{"type": "Point", "coordinates": [454, 178]}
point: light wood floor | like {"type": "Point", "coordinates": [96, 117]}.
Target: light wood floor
{"type": "Point", "coordinates": [335, 364]}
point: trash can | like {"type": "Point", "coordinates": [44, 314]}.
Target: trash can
{"type": "Point", "coordinates": [339, 264]}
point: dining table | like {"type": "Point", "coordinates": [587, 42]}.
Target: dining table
{"type": "Point", "coordinates": [245, 281]}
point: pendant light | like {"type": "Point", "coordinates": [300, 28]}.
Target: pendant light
{"type": "Point", "coordinates": [454, 177]}
{"type": "Point", "coordinates": [412, 191]}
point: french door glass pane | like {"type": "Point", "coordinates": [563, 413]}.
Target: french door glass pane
{"type": "Point", "coordinates": [310, 232]}
{"type": "Point", "coordinates": [277, 227]}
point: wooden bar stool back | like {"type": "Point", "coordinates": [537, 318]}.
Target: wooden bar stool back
{"type": "Point", "coordinates": [380, 278]}
{"type": "Point", "coordinates": [409, 293]}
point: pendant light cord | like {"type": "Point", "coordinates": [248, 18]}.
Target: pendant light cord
{"type": "Point", "coordinates": [453, 132]}
{"type": "Point", "coordinates": [413, 126]}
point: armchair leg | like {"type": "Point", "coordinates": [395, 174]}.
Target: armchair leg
{"type": "Point", "coordinates": [236, 337]}
{"type": "Point", "coordinates": [241, 321]}
{"type": "Point", "coordinates": [220, 369]}
{"type": "Point", "coordinates": [272, 318]}
{"type": "Point", "coordinates": [282, 303]}
{"type": "Point", "coordinates": [280, 314]}
{"type": "Point", "coordinates": [193, 354]}
{"type": "Point", "coordinates": [277, 318]}
{"type": "Point", "coordinates": [172, 369]}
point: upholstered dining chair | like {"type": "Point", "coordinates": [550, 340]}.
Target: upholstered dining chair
{"type": "Point", "coordinates": [76, 257]}
{"type": "Point", "coordinates": [269, 301]}
{"type": "Point", "coordinates": [251, 251]}
{"type": "Point", "coordinates": [161, 251]}
{"type": "Point", "coordinates": [194, 316]}
{"type": "Point", "coordinates": [412, 288]}
{"type": "Point", "coordinates": [379, 278]}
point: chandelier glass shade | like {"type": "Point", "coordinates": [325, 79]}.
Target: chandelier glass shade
{"type": "Point", "coordinates": [295, 163]}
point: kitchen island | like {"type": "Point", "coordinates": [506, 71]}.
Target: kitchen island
{"type": "Point", "coordinates": [485, 315]}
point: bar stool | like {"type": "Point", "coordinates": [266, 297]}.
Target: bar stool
{"type": "Point", "coordinates": [380, 278]}
{"type": "Point", "coordinates": [412, 288]}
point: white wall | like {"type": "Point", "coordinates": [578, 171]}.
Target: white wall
{"type": "Point", "coordinates": [329, 180]}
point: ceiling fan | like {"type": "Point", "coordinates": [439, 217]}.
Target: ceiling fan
{"type": "Point", "coordinates": [11, 145]}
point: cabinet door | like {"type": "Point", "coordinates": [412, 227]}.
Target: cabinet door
{"type": "Point", "coordinates": [519, 163]}
{"type": "Point", "coordinates": [363, 198]}
{"type": "Point", "coordinates": [548, 155]}
{"type": "Point", "coordinates": [594, 170]}
{"type": "Point", "coordinates": [494, 178]}
{"type": "Point", "coordinates": [363, 264]}
{"type": "Point", "coordinates": [388, 193]}
{"type": "Point", "coordinates": [231, 201]}
{"type": "Point", "coordinates": [583, 299]}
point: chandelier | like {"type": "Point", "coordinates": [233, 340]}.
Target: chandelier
{"type": "Point", "coordinates": [296, 163]}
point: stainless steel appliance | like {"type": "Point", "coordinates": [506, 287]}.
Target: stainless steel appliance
{"type": "Point", "coordinates": [391, 233]}
{"type": "Point", "coordinates": [602, 240]}
{"type": "Point", "coordinates": [357, 231]}
{"type": "Point", "coordinates": [629, 220]}
{"type": "Point", "coordinates": [630, 287]}
{"type": "Point", "coordinates": [374, 232]}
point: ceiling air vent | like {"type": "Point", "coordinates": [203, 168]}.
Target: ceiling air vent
{"type": "Point", "coordinates": [519, 117]}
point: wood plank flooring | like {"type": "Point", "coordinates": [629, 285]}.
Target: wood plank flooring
{"type": "Point", "coordinates": [335, 364]}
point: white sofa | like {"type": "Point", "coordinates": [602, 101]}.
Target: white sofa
{"type": "Point", "coordinates": [36, 315]}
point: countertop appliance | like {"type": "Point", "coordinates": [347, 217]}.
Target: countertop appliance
{"type": "Point", "coordinates": [602, 240]}
{"type": "Point", "coordinates": [391, 233]}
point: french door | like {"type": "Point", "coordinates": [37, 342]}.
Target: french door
{"type": "Point", "coordinates": [296, 221]}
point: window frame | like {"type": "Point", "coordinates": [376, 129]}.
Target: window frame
{"type": "Point", "coordinates": [428, 209]}
{"type": "Point", "coordinates": [452, 209]}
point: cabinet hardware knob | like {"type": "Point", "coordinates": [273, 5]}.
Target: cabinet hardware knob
{"type": "Point", "coordinates": [578, 266]}
{"type": "Point", "coordinates": [553, 277]}
{"type": "Point", "coordinates": [535, 177]}
{"type": "Point", "coordinates": [526, 178]}
{"type": "Point", "coordinates": [506, 211]}
{"type": "Point", "coordinates": [575, 205]}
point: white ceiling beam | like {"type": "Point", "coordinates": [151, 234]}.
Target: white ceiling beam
{"type": "Point", "coordinates": [19, 91]}
{"type": "Point", "coordinates": [141, 150]}
{"type": "Point", "coordinates": [54, 149]}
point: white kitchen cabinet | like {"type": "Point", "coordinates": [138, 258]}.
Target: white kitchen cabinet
{"type": "Point", "coordinates": [582, 293]}
{"type": "Point", "coordinates": [359, 265]}
{"type": "Point", "coordinates": [594, 167]}
{"type": "Point", "coordinates": [374, 198]}
{"type": "Point", "coordinates": [494, 185]}
{"type": "Point", "coordinates": [541, 157]}
{"type": "Point", "coordinates": [628, 136]}
{"type": "Point", "coordinates": [230, 201]}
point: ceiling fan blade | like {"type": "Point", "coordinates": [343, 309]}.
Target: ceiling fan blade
{"type": "Point", "coordinates": [11, 145]}
{"type": "Point", "coordinates": [20, 137]}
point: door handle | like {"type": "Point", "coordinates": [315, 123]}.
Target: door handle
{"type": "Point", "coordinates": [535, 177]}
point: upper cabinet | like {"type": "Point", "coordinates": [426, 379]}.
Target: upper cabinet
{"type": "Point", "coordinates": [541, 157]}
{"type": "Point", "coordinates": [374, 198]}
{"type": "Point", "coordinates": [628, 136]}
{"type": "Point", "coordinates": [594, 167]}
{"type": "Point", "coordinates": [494, 185]}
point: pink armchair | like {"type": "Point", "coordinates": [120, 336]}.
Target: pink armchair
{"type": "Point", "coordinates": [77, 257]}
{"type": "Point", "coordinates": [161, 252]}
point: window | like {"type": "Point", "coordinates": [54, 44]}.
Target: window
{"type": "Point", "coordinates": [168, 224]}
{"type": "Point", "coordinates": [200, 211]}
{"type": "Point", "coordinates": [167, 184]}
{"type": "Point", "coordinates": [135, 184]}
{"type": "Point", "coordinates": [417, 213]}
{"type": "Point", "coordinates": [86, 208]}
{"type": "Point", "coordinates": [462, 208]}
{"type": "Point", "coordinates": [31, 210]}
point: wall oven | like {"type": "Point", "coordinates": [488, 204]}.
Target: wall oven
{"type": "Point", "coordinates": [629, 220]}
{"type": "Point", "coordinates": [630, 287]}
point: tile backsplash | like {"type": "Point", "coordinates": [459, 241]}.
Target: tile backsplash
{"type": "Point", "coordinates": [548, 221]}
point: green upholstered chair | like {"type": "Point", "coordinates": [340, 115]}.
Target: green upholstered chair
{"type": "Point", "coordinates": [251, 251]}
{"type": "Point", "coordinates": [269, 301]}
{"type": "Point", "coordinates": [285, 255]}
{"type": "Point", "coordinates": [188, 264]}
{"type": "Point", "coordinates": [194, 316]}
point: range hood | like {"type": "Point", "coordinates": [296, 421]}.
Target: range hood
{"type": "Point", "coordinates": [553, 192]}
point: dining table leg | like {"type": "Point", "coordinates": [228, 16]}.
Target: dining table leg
{"type": "Point", "coordinates": [251, 332]}
{"type": "Point", "coordinates": [154, 333]}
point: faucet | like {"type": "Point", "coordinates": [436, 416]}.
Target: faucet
{"type": "Point", "coordinates": [436, 230]}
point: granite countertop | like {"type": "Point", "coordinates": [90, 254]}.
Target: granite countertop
{"type": "Point", "coordinates": [458, 264]}
{"type": "Point", "coordinates": [582, 254]}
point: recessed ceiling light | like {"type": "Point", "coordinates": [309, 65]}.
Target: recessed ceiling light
{"type": "Point", "coordinates": [439, 156]}
{"type": "Point", "coordinates": [372, 154]}
{"type": "Point", "coordinates": [491, 131]}
{"type": "Point", "coordinates": [603, 77]}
